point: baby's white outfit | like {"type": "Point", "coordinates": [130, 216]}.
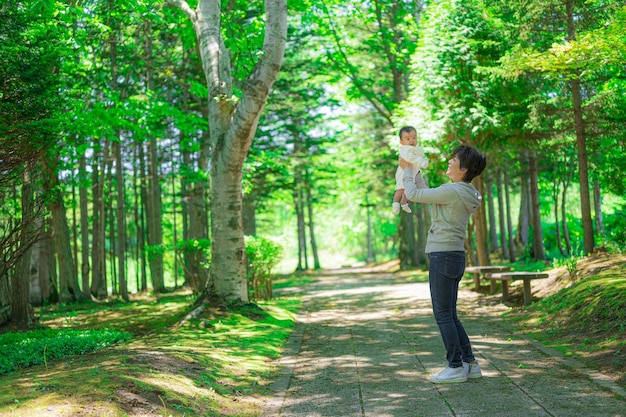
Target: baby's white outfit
{"type": "Point", "coordinates": [416, 157]}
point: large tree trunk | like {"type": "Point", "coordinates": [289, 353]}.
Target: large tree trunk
{"type": "Point", "coordinates": [232, 126]}
{"type": "Point", "coordinates": [583, 170]}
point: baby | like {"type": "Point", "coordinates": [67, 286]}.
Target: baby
{"type": "Point", "coordinates": [414, 155]}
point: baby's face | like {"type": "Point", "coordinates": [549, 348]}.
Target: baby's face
{"type": "Point", "coordinates": [408, 139]}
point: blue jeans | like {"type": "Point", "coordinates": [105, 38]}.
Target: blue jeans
{"type": "Point", "coordinates": [444, 275]}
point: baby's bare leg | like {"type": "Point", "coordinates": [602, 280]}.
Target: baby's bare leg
{"type": "Point", "coordinates": [399, 195]}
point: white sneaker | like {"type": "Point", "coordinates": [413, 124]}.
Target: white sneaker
{"type": "Point", "coordinates": [395, 209]}
{"type": "Point", "coordinates": [406, 208]}
{"type": "Point", "coordinates": [449, 376]}
{"type": "Point", "coordinates": [472, 370]}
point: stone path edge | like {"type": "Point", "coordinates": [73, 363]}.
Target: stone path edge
{"type": "Point", "coordinates": [286, 365]}
{"type": "Point", "coordinates": [597, 377]}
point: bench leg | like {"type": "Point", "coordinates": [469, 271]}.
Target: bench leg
{"type": "Point", "coordinates": [505, 290]}
{"type": "Point", "coordinates": [493, 285]}
{"type": "Point", "coordinates": [527, 296]}
{"type": "Point", "coordinates": [476, 281]}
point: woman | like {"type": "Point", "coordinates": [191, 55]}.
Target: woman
{"type": "Point", "coordinates": [452, 205]}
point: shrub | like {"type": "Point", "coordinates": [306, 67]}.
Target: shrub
{"type": "Point", "coordinates": [263, 255]}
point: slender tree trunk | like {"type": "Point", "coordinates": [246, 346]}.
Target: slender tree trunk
{"type": "Point", "coordinates": [143, 213]}
{"type": "Point", "coordinates": [74, 228]}
{"type": "Point", "coordinates": [555, 201]}
{"type": "Point", "coordinates": [84, 226]}
{"type": "Point", "coordinates": [501, 216]}
{"type": "Point", "coordinates": [155, 212]}
{"type": "Point", "coordinates": [22, 315]}
{"type": "Point", "coordinates": [581, 143]}
{"type": "Point", "coordinates": [309, 203]}
{"type": "Point", "coordinates": [35, 295]}
{"type": "Point", "coordinates": [480, 221]}
{"type": "Point", "coordinates": [489, 199]}
{"type": "Point", "coordinates": [121, 220]}
{"type": "Point", "coordinates": [301, 232]}
{"type": "Point", "coordinates": [566, 183]}
{"type": "Point", "coordinates": [509, 221]}
{"type": "Point", "coordinates": [597, 202]}
{"type": "Point", "coordinates": [538, 249]}
{"type": "Point", "coordinates": [69, 289]}
{"type": "Point", "coordinates": [524, 207]}
{"type": "Point", "coordinates": [98, 280]}
{"type": "Point", "coordinates": [154, 217]}
{"type": "Point", "coordinates": [49, 283]}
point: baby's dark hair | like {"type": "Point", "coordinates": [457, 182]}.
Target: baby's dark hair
{"type": "Point", "coordinates": [406, 129]}
{"type": "Point", "coordinates": [471, 158]}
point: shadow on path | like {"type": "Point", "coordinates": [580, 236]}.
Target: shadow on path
{"type": "Point", "coordinates": [366, 344]}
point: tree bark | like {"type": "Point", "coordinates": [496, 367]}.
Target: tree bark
{"type": "Point", "coordinates": [480, 221]}
{"type": "Point", "coordinates": [555, 201]}
{"type": "Point", "coordinates": [154, 207]}
{"type": "Point", "coordinates": [232, 126]}
{"type": "Point", "coordinates": [309, 204]}
{"type": "Point", "coordinates": [524, 206]}
{"type": "Point", "coordinates": [501, 216]}
{"type": "Point", "coordinates": [581, 144]}
{"type": "Point", "coordinates": [98, 284]}
{"type": "Point", "coordinates": [509, 221]}
{"type": "Point", "coordinates": [69, 289]}
{"type": "Point", "coordinates": [538, 249]}
{"type": "Point", "coordinates": [303, 263]}
{"type": "Point", "coordinates": [121, 220]}
{"type": "Point", "coordinates": [84, 225]}
{"type": "Point", "coordinates": [22, 316]}
{"type": "Point", "coordinates": [597, 202]}
{"type": "Point", "coordinates": [489, 198]}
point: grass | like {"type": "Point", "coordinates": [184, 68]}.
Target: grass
{"type": "Point", "coordinates": [585, 316]}
{"type": "Point", "coordinates": [219, 364]}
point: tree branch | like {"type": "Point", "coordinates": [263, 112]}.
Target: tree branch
{"type": "Point", "coordinates": [186, 9]}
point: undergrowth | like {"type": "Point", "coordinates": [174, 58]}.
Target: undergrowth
{"type": "Point", "coordinates": [37, 347]}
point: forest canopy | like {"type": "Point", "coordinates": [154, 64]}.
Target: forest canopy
{"type": "Point", "coordinates": [140, 142]}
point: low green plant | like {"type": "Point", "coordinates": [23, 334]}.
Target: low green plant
{"type": "Point", "coordinates": [36, 347]}
{"type": "Point", "coordinates": [263, 256]}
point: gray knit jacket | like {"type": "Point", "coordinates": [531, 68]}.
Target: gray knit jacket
{"type": "Point", "coordinates": [452, 205]}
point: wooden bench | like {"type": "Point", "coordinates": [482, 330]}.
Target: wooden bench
{"type": "Point", "coordinates": [505, 277]}
{"type": "Point", "coordinates": [477, 270]}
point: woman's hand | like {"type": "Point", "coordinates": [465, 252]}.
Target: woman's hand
{"type": "Point", "coordinates": [403, 164]}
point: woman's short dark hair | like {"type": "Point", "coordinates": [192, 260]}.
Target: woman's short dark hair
{"type": "Point", "coordinates": [472, 159]}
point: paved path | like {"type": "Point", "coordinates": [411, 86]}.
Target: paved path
{"type": "Point", "coordinates": [366, 345]}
